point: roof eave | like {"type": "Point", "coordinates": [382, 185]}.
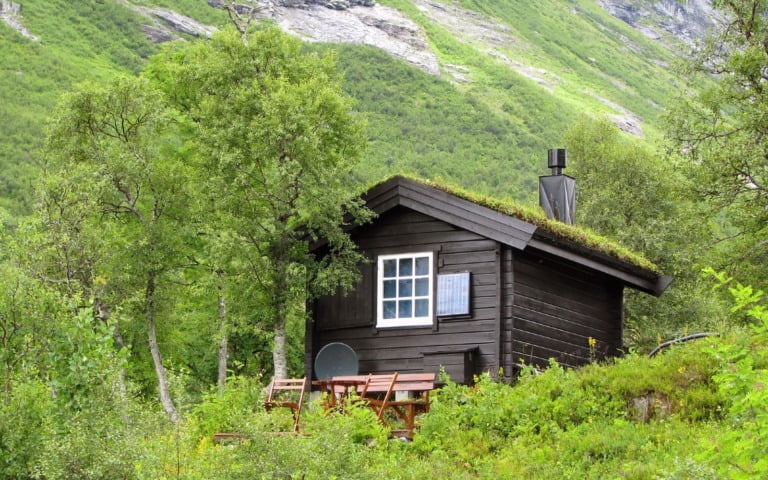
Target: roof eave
{"type": "Point", "coordinates": [401, 191]}
{"type": "Point", "coordinates": [631, 275]}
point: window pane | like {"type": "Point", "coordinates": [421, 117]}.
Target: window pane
{"type": "Point", "coordinates": [422, 287]}
{"type": "Point", "coordinates": [405, 308]}
{"type": "Point", "coordinates": [389, 309]}
{"type": "Point", "coordinates": [422, 308]}
{"type": "Point", "coordinates": [406, 288]}
{"type": "Point", "coordinates": [390, 268]}
{"type": "Point", "coordinates": [422, 266]}
{"type": "Point", "coordinates": [406, 267]}
{"type": "Point", "coordinates": [390, 288]}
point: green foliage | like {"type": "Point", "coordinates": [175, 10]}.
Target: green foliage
{"type": "Point", "coordinates": [78, 40]}
{"type": "Point", "coordinates": [719, 131]}
{"type": "Point", "coordinates": [486, 134]}
{"type": "Point", "coordinates": [227, 410]}
{"type": "Point", "coordinates": [578, 423]}
{"type": "Point", "coordinates": [426, 126]}
{"type": "Point", "coordinates": [276, 144]}
{"type": "Point", "coordinates": [97, 443]}
{"type": "Point", "coordinates": [24, 418]}
{"type": "Point", "coordinates": [629, 192]}
{"type": "Point", "coordinates": [741, 449]}
{"type": "Point", "coordinates": [588, 423]}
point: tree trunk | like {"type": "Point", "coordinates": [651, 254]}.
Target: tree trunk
{"type": "Point", "coordinates": [223, 352]}
{"type": "Point", "coordinates": [279, 356]}
{"type": "Point", "coordinates": [278, 350]}
{"type": "Point", "coordinates": [104, 314]}
{"type": "Point", "coordinates": [154, 349]}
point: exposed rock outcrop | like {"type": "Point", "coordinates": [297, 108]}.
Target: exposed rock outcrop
{"type": "Point", "coordinates": [490, 35]}
{"type": "Point", "coordinates": [625, 120]}
{"type": "Point", "coordinates": [10, 13]}
{"type": "Point", "coordinates": [334, 4]}
{"type": "Point", "coordinates": [350, 21]}
{"type": "Point", "coordinates": [165, 24]}
{"type": "Point", "coordinates": [686, 21]}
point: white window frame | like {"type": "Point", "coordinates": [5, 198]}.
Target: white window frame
{"type": "Point", "coordinates": [412, 321]}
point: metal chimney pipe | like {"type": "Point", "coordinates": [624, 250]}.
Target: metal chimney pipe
{"type": "Point", "coordinates": [557, 192]}
{"type": "Point", "coordinates": [557, 159]}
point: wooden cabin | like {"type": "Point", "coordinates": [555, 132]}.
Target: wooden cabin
{"type": "Point", "coordinates": [457, 284]}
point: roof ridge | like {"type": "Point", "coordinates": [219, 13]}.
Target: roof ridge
{"type": "Point", "coordinates": [578, 235]}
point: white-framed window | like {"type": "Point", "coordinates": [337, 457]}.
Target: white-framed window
{"type": "Point", "coordinates": [404, 290]}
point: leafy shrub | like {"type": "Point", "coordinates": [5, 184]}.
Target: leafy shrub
{"type": "Point", "coordinates": [96, 444]}
{"type": "Point", "coordinates": [227, 410]}
{"type": "Point", "coordinates": [741, 450]}
{"type": "Point", "coordinates": [23, 419]}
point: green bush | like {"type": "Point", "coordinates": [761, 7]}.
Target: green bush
{"type": "Point", "coordinates": [741, 449]}
{"type": "Point", "coordinates": [229, 409]}
{"type": "Point", "coordinates": [24, 416]}
{"type": "Point", "coordinates": [96, 444]}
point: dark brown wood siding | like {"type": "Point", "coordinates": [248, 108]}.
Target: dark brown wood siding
{"type": "Point", "coordinates": [507, 308]}
{"type": "Point", "coordinates": [352, 318]}
{"type": "Point", "coordinates": [556, 307]}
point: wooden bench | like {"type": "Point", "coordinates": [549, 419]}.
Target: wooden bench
{"type": "Point", "coordinates": [417, 385]}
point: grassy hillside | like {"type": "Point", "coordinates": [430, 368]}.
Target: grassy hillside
{"type": "Point", "coordinates": [79, 40]}
{"type": "Point", "coordinates": [557, 61]}
{"type": "Point", "coordinates": [488, 132]}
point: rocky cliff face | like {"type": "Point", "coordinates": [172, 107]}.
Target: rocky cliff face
{"type": "Point", "coordinates": [10, 13]}
{"type": "Point", "coordinates": [686, 21]}
{"type": "Point", "coordinates": [349, 21]}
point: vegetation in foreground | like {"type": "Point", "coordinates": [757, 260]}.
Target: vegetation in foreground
{"type": "Point", "coordinates": [697, 410]}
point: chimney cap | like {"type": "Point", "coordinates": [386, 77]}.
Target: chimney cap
{"type": "Point", "coordinates": [557, 159]}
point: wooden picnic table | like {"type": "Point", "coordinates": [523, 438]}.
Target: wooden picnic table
{"type": "Point", "coordinates": [416, 386]}
{"type": "Point", "coordinates": [341, 386]}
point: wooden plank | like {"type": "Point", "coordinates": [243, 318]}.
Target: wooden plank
{"type": "Point", "coordinates": [575, 336]}
{"type": "Point", "coordinates": [411, 228]}
{"type": "Point", "coordinates": [528, 353]}
{"type": "Point", "coordinates": [466, 214]}
{"type": "Point", "coordinates": [480, 279]}
{"type": "Point", "coordinates": [611, 267]}
{"type": "Point", "coordinates": [420, 341]}
{"type": "Point", "coordinates": [565, 319]}
{"type": "Point", "coordinates": [418, 241]}
{"type": "Point", "coordinates": [398, 365]}
{"type": "Point", "coordinates": [508, 298]}
{"type": "Point", "coordinates": [576, 352]}
{"type": "Point", "coordinates": [563, 330]}
{"type": "Point", "coordinates": [469, 257]}
{"type": "Point", "coordinates": [540, 262]}
{"type": "Point", "coordinates": [551, 298]}
{"type": "Point", "coordinates": [484, 291]}
{"type": "Point", "coordinates": [498, 310]}
{"type": "Point", "coordinates": [556, 280]}
{"type": "Point", "coordinates": [574, 300]}
{"type": "Point", "coordinates": [458, 327]}
{"type": "Point", "coordinates": [408, 348]}
{"type": "Point", "coordinates": [403, 215]}
{"type": "Point", "coordinates": [469, 246]}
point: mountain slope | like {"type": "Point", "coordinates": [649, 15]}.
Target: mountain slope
{"type": "Point", "coordinates": [475, 92]}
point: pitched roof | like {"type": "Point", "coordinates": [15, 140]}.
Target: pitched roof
{"type": "Point", "coordinates": [517, 227]}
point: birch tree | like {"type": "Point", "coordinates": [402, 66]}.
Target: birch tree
{"type": "Point", "coordinates": [721, 130]}
{"type": "Point", "coordinates": [121, 139]}
{"type": "Point", "coordinates": [278, 143]}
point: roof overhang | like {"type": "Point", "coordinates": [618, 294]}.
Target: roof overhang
{"type": "Point", "coordinates": [400, 191]}
{"type": "Point", "coordinates": [404, 192]}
